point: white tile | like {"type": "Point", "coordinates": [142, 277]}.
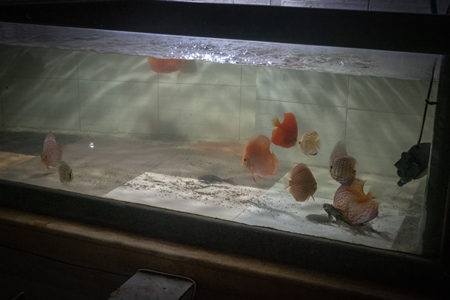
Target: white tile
{"type": "Point", "coordinates": [7, 57]}
{"type": "Point", "coordinates": [130, 107]}
{"type": "Point", "coordinates": [206, 73]}
{"type": "Point", "coordinates": [247, 113]}
{"type": "Point", "coordinates": [304, 87]}
{"type": "Point", "coordinates": [199, 111]}
{"type": "Point", "coordinates": [249, 75]}
{"type": "Point", "coordinates": [377, 139]}
{"type": "Point", "coordinates": [41, 103]}
{"type": "Point", "coordinates": [34, 62]}
{"type": "Point", "coordinates": [114, 67]}
{"type": "Point", "coordinates": [388, 95]}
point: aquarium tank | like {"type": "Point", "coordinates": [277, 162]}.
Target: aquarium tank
{"type": "Point", "coordinates": [275, 133]}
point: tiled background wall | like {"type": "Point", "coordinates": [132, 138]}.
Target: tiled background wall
{"type": "Point", "coordinates": [378, 118]}
{"type": "Point", "coordinates": [55, 90]}
{"type": "Point", "coordinates": [82, 91]}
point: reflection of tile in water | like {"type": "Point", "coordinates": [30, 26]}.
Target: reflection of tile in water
{"type": "Point", "coordinates": [8, 160]}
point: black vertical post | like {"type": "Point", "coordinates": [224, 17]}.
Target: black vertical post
{"type": "Point", "coordinates": [436, 235]}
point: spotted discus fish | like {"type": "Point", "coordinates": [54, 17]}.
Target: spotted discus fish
{"type": "Point", "coordinates": [51, 152]}
{"type": "Point", "coordinates": [342, 166]}
{"type": "Point", "coordinates": [302, 184]}
{"type": "Point", "coordinates": [342, 169]}
{"type": "Point", "coordinates": [309, 143]}
{"type": "Point", "coordinates": [357, 206]}
{"type": "Point", "coordinates": [65, 172]}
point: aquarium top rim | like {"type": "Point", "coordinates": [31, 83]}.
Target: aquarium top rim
{"type": "Point", "coordinates": [390, 31]}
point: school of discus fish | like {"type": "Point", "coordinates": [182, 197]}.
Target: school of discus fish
{"type": "Point", "coordinates": [350, 202]}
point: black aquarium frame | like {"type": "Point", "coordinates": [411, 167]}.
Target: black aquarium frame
{"type": "Point", "coordinates": [322, 27]}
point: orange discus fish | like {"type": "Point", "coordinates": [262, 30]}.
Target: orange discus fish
{"type": "Point", "coordinates": [169, 65]}
{"type": "Point", "coordinates": [344, 192]}
{"type": "Point", "coordinates": [309, 143]}
{"type": "Point", "coordinates": [358, 207]}
{"type": "Point", "coordinates": [285, 135]}
{"type": "Point", "coordinates": [258, 159]}
{"type": "Point", "coordinates": [302, 184]}
{"type": "Point", "coordinates": [51, 152]}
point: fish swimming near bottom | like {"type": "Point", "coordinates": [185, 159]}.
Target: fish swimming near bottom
{"type": "Point", "coordinates": [341, 218]}
{"type": "Point", "coordinates": [258, 158]}
{"type": "Point", "coordinates": [302, 184]}
{"type": "Point", "coordinates": [357, 206]}
{"type": "Point", "coordinates": [309, 143]}
{"type": "Point", "coordinates": [65, 172]}
{"type": "Point", "coordinates": [51, 153]}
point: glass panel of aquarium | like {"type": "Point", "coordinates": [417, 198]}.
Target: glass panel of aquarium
{"type": "Point", "coordinates": [312, 140]}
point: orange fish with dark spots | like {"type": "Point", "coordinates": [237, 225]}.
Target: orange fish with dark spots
{"type": "Point", "coordinates": [357, 207]}
{"type": "Point", "coordinates": [160, 65]}
{"type": "Point", "coordinates": [285, 135]}
{"type": "Point", "coordinates": [309, 143]}
{"type": "Point", "coordinates": [51, 151]}
{"type": "Point", "coordinates": [302, 184]}
{"type": "Point", "coordinates": [258, 159]}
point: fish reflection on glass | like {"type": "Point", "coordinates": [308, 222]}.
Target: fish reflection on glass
{"type": "Point", "coordinates": [309, 143]}
{"type": "Point", "coordinates": [302, 184]}
{"type": "Point", "coordinates": [258, 159]}
{"type": "Point", "coordinates": [339, 150]}
{"type": "Point", "coordinates": [65, 172]}
{"type": "Point", "coordinates": [51, 151]}
{"type": "Point", "coordinates": [160, 65]}
{"type": "Point", "coordinates": [342, 166]}
{"type": "Point", "coordinates": [356, 205]}
{"type": "Point", "coordinates": [285, 135]}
